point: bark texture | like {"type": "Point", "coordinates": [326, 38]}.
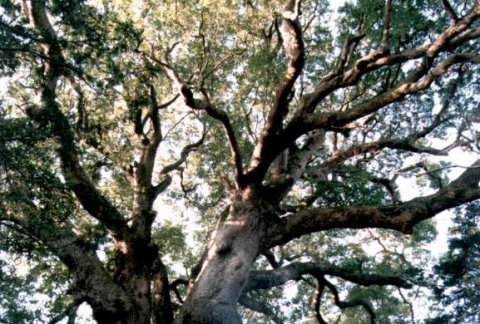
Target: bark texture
{"type": "Point", "coordinates": [226, 268]}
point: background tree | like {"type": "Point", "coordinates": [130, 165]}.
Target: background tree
{"type": "Point", "coordinates": [278, 131]}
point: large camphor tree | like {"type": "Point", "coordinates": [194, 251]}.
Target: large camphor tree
{"type": "Point", "coordinates": [187, 161]}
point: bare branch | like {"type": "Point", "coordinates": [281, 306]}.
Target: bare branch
{"type": "Point", "coordinates": [440, 116]}
{"type": "Point", "coordinates": [230, 134]}
{"type": "Point", "coordinates": [271, 259]}
{"type": "Point", "coordinates": [91, 199]}
{"type": "Point", "coordinates": [345, 55]}
{"type": "Point", "coordinates": [294, 51]}
{"type": "Point", "coordinates": [144, 169]}
{"type": "Point", "coordinates": [174, 287]}
{"type": "Point", "coordinates": [299, 159]}
{"type": "Point", "coordinates": [70, 312]}
{"type": "Point", "coordinates": [453, 31]}
{"type": "Point", "coordinates": [411, 85]}
{"type": "Point", "coordinates": [401, 144]}
{"type": "Point", "coordinates": [220, 63]}
{"type": "Point", "coordinates": [304, 121]}
{"type": "Point", "coordinates": [410, 306]}
{"type": "Point", "coordinates": [50, 48]}
{"type": "Point", "coordinates": [451, 38]}
{"type": "Point", "coordinates": [159, 188]}
{"type": "Point", "coordinates": [389, 185]}
{"type": "Point", "coordinates": [427, 171]}
{"type": "Point", "coordinates": [312, 17]}
{"type": "Point", "coordinates": [145, 191]}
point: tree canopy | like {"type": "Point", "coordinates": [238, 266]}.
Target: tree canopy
{"type": "Point", "coordinates": [221, 161]}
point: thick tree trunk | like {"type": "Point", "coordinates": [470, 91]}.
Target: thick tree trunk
{"type": "Point", "coordinates": [122, 305]}
{"type": "Point", "coordinates": [215, 293]}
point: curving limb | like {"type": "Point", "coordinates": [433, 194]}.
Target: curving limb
{"type": "Point", "coordinates": [295, 271]}
{"type": "Point", "coordinates": [174, 287]}
{"type": "Point", "coordinates": [317, 300]}
{"type": "Point", "coordinates": [70, 312]}
{"type": "Point", "coordinates": [270, 256]}
{"type": "Point", "coordinates": [184, 154]}
{"type": "Point", "coordinates": [300, 158]}
{"type": "Point", "coordinates": [410, 306]}
{"type": "Point", "coordinates": [77, 255]}
{"type": "Point", "coordinates": [339, 157]}
{"type": "Point", "coordinates": [145, 191]}
{"type": "Point", "coordinates": [346, 54]}
{"type": "Point", "coordinates": [91, 199]}
{"type": "Point", "coordinates": [419, 80]}
{"type": "Point", "coordinates": [294, 51]}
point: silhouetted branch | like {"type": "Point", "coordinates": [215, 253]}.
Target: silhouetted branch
{"type": "Point", "coordinates": [184, 154]}
{"type": "Point", "coordinates": [450, 11]}
{"type": "Point", "coordinates": [317, 300]}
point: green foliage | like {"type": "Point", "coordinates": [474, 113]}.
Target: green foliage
{"type": "Point", "coordinates": [14, 296]}
{"type": "Point", "coordinates": [171, 238]}
{"type": "Point", "coordinates": [31, 288]}
{"type": "Point", "coordinates": [457, 274]}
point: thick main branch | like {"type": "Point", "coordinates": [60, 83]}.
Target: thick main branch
{"type": "Point", "coordinates": [400, 217]}
{"type": "Point", "coordinates": [295, 52]}
{"type": "Point", "coordinates": [91, 199]}
{"type": "Point", "coordinates": [295, 271]}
